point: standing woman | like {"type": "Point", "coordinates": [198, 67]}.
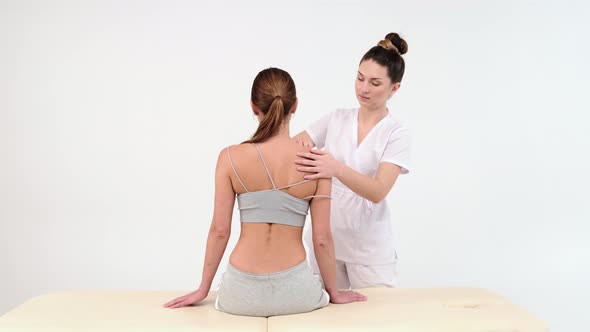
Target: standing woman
{"type": "Point", "coordinates": [364, 151]}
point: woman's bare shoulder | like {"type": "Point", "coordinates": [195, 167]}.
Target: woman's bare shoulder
{"type": "Point", "coordinates": [239, 150]}
{"type": "Point", "coordinates": [234, 154]}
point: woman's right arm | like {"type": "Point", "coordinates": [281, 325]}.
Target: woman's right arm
{"type": "Point", "coordinates": [323, 245]}
{"type": "Point", "coordinates": [219, 233]}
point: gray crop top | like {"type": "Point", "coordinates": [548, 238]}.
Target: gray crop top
{"type": "Point", "coordinates": [272, 205]}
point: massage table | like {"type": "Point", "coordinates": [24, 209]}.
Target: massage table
{"type": "Point", "coordinates": [388, 309]}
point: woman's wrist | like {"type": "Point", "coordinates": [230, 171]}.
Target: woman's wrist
{"type": "Point", "coordinates": [332, 291]}
{"type": "Point", "coordinates": [204, 287]}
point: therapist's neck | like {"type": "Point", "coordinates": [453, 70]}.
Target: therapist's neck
{"type": "Point", "coordinates": [373, 114]}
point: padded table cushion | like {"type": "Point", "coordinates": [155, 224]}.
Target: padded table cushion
{"type": "Point", "coordinates": [125, 311]}
{"type": "Point", "coordinates": [416, 310]}
{"type": "Point", "coordinates": [388, 309]}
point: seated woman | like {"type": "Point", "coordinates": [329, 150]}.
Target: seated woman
{"type": "Point", "coordinates": [268, 273]}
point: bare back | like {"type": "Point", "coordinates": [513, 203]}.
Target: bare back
{"type": "Point", "coordinates": [267, 247]}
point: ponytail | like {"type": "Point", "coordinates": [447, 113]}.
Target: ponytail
{"type": "Point", "coordinates": [271, 123]}
{"type": "Point", "coordinates": [273, 93]}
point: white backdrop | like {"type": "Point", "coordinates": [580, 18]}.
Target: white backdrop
{"type": "Point", "coordinates": [112, 114]}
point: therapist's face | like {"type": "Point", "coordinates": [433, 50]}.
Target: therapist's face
{"type": "Point", "coordinates": [373, 86]}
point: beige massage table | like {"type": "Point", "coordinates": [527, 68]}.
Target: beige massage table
{"type": "Point", "coordinates": [388, 309]}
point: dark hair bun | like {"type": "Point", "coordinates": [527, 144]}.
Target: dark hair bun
{"type": "Point", "coordinates": [398, 41]}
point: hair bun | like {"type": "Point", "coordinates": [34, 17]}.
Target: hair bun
{"type": "Point", "coordinates": [388, 45]}
{"type": "Point", "coordinates": [398, 43]}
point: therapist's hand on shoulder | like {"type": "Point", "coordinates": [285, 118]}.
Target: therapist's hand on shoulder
{"type": "Point", "coordinates": [319, 163]}
{"type": "Point", "coordinates": [346, 296]}
{"type": "Point", "coordinates": [188, 299]}
{"type": "Point", "coordinates": [301, 141]}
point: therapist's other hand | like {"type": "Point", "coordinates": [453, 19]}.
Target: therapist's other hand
{"type": "Point", "coordinates": [346, 296]}
{"type": "Point", "coordinates": [188, 299]}
{"type": "Point", "coordinates": [319, 163]}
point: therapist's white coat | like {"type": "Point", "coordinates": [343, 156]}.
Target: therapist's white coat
{"type": "Point", "coordinates": [362, 229]}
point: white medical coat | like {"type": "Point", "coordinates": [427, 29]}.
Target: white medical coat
{"type": "Point", "coordinates": [362, 229]}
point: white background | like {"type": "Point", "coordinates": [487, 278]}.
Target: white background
{"type": "Point", "coordinates": [112, 114]}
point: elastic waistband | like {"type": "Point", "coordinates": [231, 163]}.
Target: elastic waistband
{"type": "Point", "coordinates": [266, 276]}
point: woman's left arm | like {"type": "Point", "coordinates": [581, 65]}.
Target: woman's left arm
{"type": "Point", "coordinates": [219, 233]}
{"type": "Point", "coordinates": [321, 164]}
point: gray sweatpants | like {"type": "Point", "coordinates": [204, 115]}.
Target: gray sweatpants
{"type": "Point", "coordinates": [291, 291]}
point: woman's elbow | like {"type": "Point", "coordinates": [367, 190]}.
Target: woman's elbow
{"type": "Point", "coordinates": [220, 232]}
{"type": "Point", "coordinates": [323, 240]}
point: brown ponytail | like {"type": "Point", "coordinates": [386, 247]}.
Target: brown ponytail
{"type": "Point", "coordinates": [273, 93]}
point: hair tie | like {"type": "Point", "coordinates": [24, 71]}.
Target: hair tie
{"type": "Point", "coordinates": [388, 45]}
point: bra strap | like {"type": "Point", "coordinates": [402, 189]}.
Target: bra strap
{"type": "Point", "coordinates": [265, 167]}
{"type": "Point", "coordinates": [293, 185]}
{"type": "Point", "coordinates": [235, 172]}
{"type": "Point", "coordinates": [318, 196]}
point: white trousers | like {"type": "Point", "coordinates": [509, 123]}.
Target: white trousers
{"type": "Point", "coordinates": [349, 275]}
{"type": "Point", "coordinates": [355, 276]}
